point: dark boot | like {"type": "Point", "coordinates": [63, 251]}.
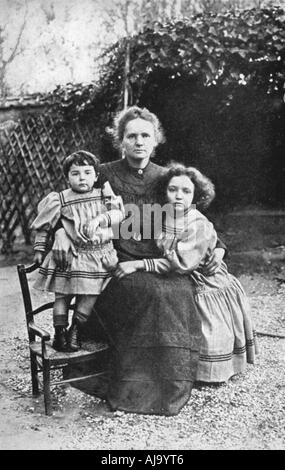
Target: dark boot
{"type": "Point", "coordinates": [74, 336]}
{"type": "Point", "coordinates": [60, 338]}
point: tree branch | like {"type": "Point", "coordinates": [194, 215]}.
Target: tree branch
{"type": "Point", "coordinates": [15, 50]}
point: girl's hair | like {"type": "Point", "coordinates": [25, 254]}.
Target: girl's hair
{"type": "Point", "coordinates": [134, 112]}
{"type": "Point", "coordinates": [204, 188]}
{"type": "Point", "coordinates": [80, 157]}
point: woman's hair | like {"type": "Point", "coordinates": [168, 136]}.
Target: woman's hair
{"type": "Point", "coordinates": [204, 188]}
{"type": "Point", "coordinates": [123, 117]}
{"type": "Point", "coordinates": [79, 158]}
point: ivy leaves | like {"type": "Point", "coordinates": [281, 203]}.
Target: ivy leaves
{"type": "Point", "coordinates": [230, 48]}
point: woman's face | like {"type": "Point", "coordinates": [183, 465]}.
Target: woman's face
{"type": "Point", "coordinates": [139, 141]}
{"type": "Point", "coordinates": [180, 192]}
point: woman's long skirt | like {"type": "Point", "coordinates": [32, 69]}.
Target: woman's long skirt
{"type": "Point", "coordinates": [154, 332]}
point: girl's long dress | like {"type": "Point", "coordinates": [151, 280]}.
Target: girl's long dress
{"type": "Point", "coordinates": [87, 273]}
{"type": "Point", "coordinates": [228, 338]}
{"type": "Point", "coordinates": [227, 342]}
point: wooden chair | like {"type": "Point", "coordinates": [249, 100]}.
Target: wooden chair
{"type": "Point", "coordinates": [43, 357]}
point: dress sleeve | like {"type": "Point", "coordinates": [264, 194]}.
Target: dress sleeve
{"type": "Point", "coordinates": [190, 251]}
{"type": "Point", "coordinates": [114, 207]}
{"type": "Point", "coordinates": [49, 212]}
{"type": "Point", "coordinates": [157, 265]}
{"type": "Point", "coordinates": [186, 253]}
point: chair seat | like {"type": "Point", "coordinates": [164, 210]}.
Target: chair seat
{"type": "Point", "coordinates": [88, 350]}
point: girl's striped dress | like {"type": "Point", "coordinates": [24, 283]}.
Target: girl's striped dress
{"type": "Point", "coordinates": [227, 342]}
{"type": "Point", "coordinates": [89, 271]}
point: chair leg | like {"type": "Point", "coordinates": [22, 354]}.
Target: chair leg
{"type": "Point", "coordinates": [34, 373]}
{"type": "Point", "coordinates": [46, 387]}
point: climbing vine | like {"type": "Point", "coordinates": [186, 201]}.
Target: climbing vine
{"type": "Point", "coordinates": [233, 49]}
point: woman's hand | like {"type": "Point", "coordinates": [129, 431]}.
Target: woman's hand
{"type": "Point", "coordinates": [38, 257]}
{"type": "Point", "coordinates": [213, 262]}
{"type": "Point", "coordinates": [110, 261]}
{"type": "Point", "coordinates": [128, 267]}
{"type": "Point", "coordinates": [91, 228]}
{"type": "Point", "coordinates": [62, 248]}
{"type": "Point", "coordinates": [172, 257]}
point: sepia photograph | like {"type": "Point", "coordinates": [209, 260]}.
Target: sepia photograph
{"type": "Point", "coordinates": [142, 227]}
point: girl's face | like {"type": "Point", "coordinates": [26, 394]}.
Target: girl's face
{"type": "Point", "coordinates": [82, 178]}
{"type": "Point", "coordinates": [180, 192]}
{"type": "Point", "coordinates": [138, 141]}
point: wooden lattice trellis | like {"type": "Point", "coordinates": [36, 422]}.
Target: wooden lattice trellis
{"type": "Point", "coordinates": [31, 156]}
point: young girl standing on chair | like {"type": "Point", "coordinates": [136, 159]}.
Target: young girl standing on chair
{"type": "Point", "coordinates": [186, 239]}
{"type": "Point", "coordinates": [88, 215]}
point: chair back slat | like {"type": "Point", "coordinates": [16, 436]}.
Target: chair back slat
{"type": "Point", "coordinates": [31, 268]}
{"type": "Point", "coordinates": [42, 308]}
{"type": "Point", "coordinates": [22, 273]}
{"type": "Point", "coordinates": [47, 306]}
{"type": "Point", "coordinates": [25, 288]}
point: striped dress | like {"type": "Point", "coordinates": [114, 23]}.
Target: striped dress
{"type": "Point", "coordinates": [88, 272]}
{"type": "Point", "coordinates": [228, 341]}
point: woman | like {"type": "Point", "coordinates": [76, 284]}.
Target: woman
{"type": "Point", "coordinates": [152, 321]}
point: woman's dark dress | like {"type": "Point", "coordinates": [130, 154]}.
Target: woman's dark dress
{"type": "Point", "coordinates": [152, 320]}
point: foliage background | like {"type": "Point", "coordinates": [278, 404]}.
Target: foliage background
{"type": "Point", "coordinates": [45, 43]}
{"type": "Point", "coordinates": [215, 76]}
{"type": "Point", "coordinates": [216, 81]}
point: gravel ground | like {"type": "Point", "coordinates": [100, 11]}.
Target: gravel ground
{"type": "Point", "coordinates": [248, 412]}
